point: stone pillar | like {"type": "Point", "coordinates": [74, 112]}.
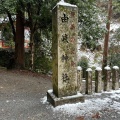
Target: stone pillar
{"type": "Point", "coordinates": [115, 78]}
{"type": "Point", "coordinates": [89, 81]}
{"type": "Point", "coordinates": [65, 29]}
{"type": "Point", "coordinates": [107, 78]}
{"type": "Point", "coordinates": [64, 50]}
{"type": "Point", "coordinates": [98, 80]}
{"type": "Point", "coordinates": [79, 78]}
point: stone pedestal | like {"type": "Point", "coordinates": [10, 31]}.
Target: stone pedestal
{"type": "Point", "coordinates": [64, 49]}
{"type": "Point", "coordinates": [55, 101]}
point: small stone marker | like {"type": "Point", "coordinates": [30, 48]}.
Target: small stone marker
{"type": "Point", "coordinates": [64, 49]}
{"type": "Point", "coordinates": [115, 78]}
{"type": "Point", "coordinates": [88, 81]}
{"type": "Point", "coordinates": [98, 80]}
{"type": "Point", "coordinates": [79, 78]}
{"type": "Point", "coordinates": [107, 78]}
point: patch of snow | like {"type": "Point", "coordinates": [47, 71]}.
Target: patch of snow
{"type": "Point", "coordinates": [83, 80]}
{"type": "Point", "coordinates": [90, 105]}
{"type": "Point", "coordinates": [63, 3]}
{"type": "Point", "coordinates": [44, 100]}
{"type": "Point", "coordinates": [51, 90]}
{"type": "Point", "coordinates": [116, 67]}
{"type": "Point", "coordinates": [115, 96]}
{"type": "Point", "coordinates": [113, 91]}
{"type": "Point", "coordinates": [87, 107]}
{"type": "Point", "coordinates": [107, 68]}
{"type": "Point", "coordinates": [89, 69]}
{"type": "Point", "coordinates": [115, 105]}
{"type": "Point", "coordinates": [7, 101]}
{"type": "Point", "coordinates": [114, 26]}
{"type": "Point", "coordinates": [73, 96]}
{"type": "Point", "coordinates": [79, 68]}
{"type": "Point", "coordinates": [98, 69]}
{"type": "Point", "coordinates": [89, 55]}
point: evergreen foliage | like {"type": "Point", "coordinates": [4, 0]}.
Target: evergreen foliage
{"type": "Point", "coordinates": [39, 18]}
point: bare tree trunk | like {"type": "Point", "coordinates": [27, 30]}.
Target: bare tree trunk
{"type": "Point", "coordinates": [12, 25]}
{"type": "Point", "coordinates": [19, 42]}
{"type": "Point", "coordinates": [105, 52]}
{"type": "Point", "coordinates": [32, 49]}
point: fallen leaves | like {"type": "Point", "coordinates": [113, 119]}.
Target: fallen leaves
{"type": "Point", "coordinates": [97, 115]}
{"type": "Point", "coordinates": [80, 118]}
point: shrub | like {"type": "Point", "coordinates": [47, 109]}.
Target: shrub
{"type": "Point", "coordinates": [5, 56]}
{"type": "Point", "coordinates": [83, 62]}
{"type": "Point", "coordinates": [115, 60]}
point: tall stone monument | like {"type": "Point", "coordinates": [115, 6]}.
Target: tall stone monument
{"type": "Point", "coordinates": [64, 49]}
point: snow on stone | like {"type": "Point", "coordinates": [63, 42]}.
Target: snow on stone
{"type": "Point", "coordinates": [79, 68]}
{"type": "Point", "coordinates": [98, 69]}
{"type": "Point", "coordinates": [107, 68]}
{"type": "Point", "coordinates": [89, 69]}
{"type": "Point", "coordinates": [65, 4]}
{"type": "Point", "coordinates": [51, 90]}
{"type": "Point", "coordinates": [73, 96]}
{"type": "Point", "coordinates": [116, 67]}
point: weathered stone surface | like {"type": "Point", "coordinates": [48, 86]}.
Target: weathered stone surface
{"type": "Point", "coordinates": [98, 80]}
{"type": "Point", "coordinates": [115, 78]}
{"type": "Point", "coordinates": [79, 78]}
{"type": "Point", "coordinates": [55, 101]}
{"type": "Point", "coordinates": [65, 26]}
{"type": "Point", "coordinates": [107, 78]}
{"type": "Point", "coordinates": [89, 81]}
{"type": "Point", "coordinates": [64, 50]}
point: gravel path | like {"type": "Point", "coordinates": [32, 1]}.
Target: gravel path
{"type": "Point", "coordinates": [22, 97]}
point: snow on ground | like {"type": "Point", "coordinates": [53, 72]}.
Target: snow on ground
{"type": "Point", "coordinates": [114, 26]}
{"type": "Point", "coordinates": [91, 105]}
{"type": "Point", "coordinates": [89, 55]}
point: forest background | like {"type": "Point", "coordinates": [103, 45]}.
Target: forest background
{"type": "Point", "coordinates": [37, 15]}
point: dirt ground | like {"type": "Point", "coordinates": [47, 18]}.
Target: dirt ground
{"type": "Point", "coordinates": [20, 98]}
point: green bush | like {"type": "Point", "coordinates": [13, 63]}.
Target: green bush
{"type": "Point", "coordinates": [83, 62]}
{"type": "Point", "coordinates": [5, 56]}
{"type": "Point", "coordinates": [115, 60]}
{"type": "Point", "coordinates": [42, 64]}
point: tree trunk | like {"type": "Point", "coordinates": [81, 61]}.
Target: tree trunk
{"type": "Point", "coordinates": [19, 42]}
{"type": "Point", "coordinates": [12, 25]}
{"type": "Point", "coordinates": [32, 50]}
{"type": "Point", "coordinates": [105, 52]}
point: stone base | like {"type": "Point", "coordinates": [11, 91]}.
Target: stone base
{"type": "Point", "coordinates": [55, 101]}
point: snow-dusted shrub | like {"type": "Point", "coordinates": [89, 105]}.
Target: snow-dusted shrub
{"type": "Point", "coordinates": [83, 62]}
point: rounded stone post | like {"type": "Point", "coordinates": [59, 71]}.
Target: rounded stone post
{"type": "Point", "coordinates": [79, 78]}
{"type": "Point", "coordinates": [98, 79]}
{"type": "Point", "coordinates": [107, 78]}
{"type": "Point", "coordinates": [89, 81]}
{"type": "Point", "coordinates": [115, 78]}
